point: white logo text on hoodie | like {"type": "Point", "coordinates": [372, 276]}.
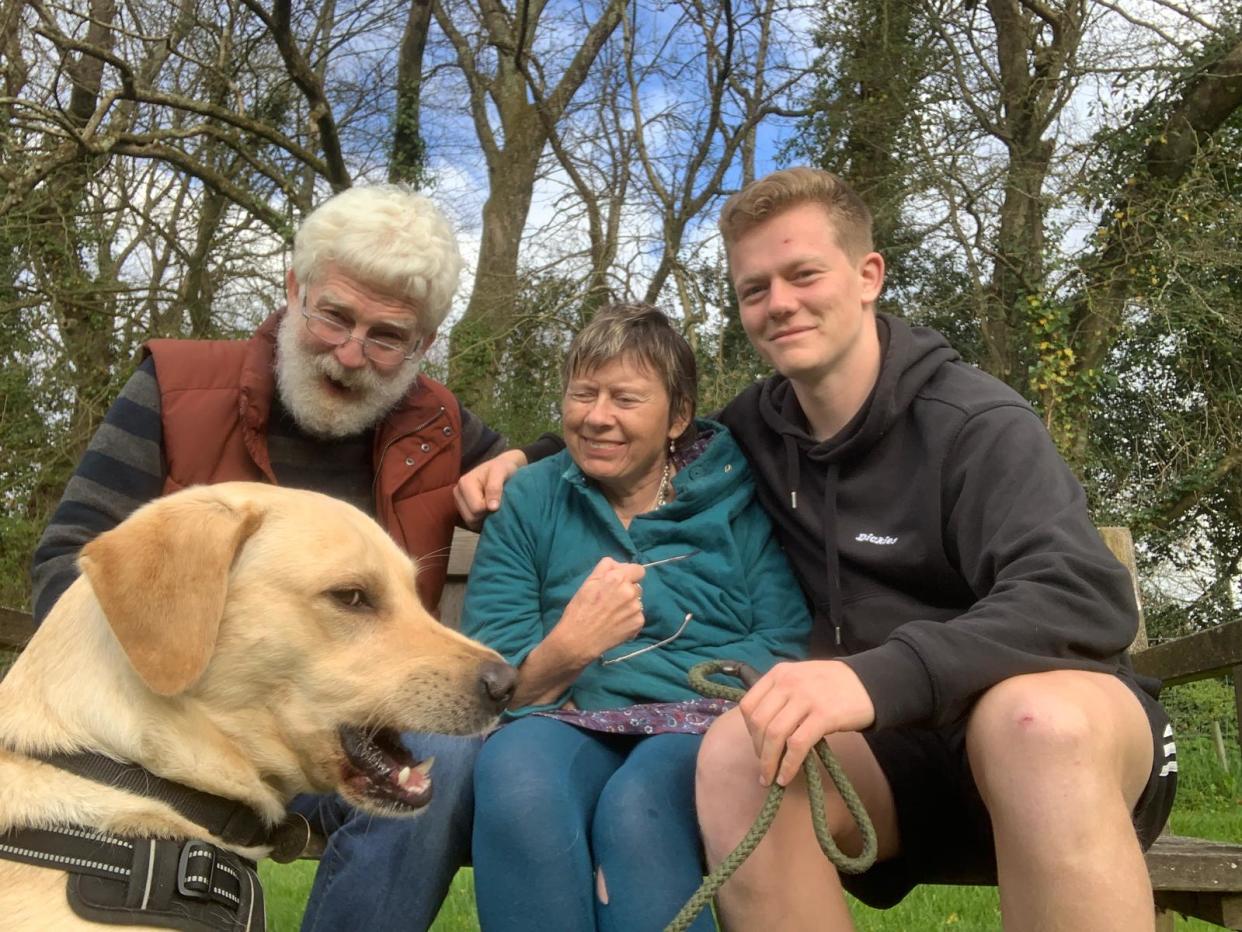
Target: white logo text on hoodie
{"type": "Point", "coordinates": [876, 539]}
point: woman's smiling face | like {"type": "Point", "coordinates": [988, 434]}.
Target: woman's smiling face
{"type": "Point", "coordinates": [617, 424]}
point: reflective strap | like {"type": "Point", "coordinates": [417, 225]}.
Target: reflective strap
{"type": "Point", "coordinates": [204, 873]}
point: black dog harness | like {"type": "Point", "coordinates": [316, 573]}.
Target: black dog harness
{"type": "Point", "coordinates": [182, 884]}
{"type": "Point", "coordinates": [189, 885]}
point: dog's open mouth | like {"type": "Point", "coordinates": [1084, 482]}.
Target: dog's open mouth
{"type": "Point", "coordinates": [379, 770]}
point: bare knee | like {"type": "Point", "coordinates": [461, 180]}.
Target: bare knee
{"type": "Point", "coordinates": [727, 789]}
{"type": "Point", "coordinates": [1053, 731]}
{"type": "Point", "coordinates": [726, 757]}
{"type": "Point", "coordinates": [1021, 716]}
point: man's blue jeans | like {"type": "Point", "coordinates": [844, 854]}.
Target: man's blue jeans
{"type": "Point", "coordinates": [385, 874]}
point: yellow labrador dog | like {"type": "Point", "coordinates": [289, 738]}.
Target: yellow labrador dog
{"type": "Point", "coordinates": [225, 648]}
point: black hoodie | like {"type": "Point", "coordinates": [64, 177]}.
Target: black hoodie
{"type": "Point", "coordinates": [941, 539]}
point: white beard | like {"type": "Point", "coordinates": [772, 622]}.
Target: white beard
{"type": "Point", "coordinates": [299, 379]}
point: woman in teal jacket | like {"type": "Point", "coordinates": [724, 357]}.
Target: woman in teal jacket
{"type": "Point", "coordinates": [611, 570]}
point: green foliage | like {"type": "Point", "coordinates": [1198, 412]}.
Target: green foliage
{"type": "Point", "coordinates": [1167, 416]}
{"type": "Point", "coordinates": [1202, 782]}
{"type": "Point", "coordinates": [1208, 785]}
{"type": "Point", "coordinates": [408, 157]}
{"type": "Point", "coordinates": [1223, 824]}
{"type": "Point", "coordinates": [18, 536]}
{"type": "Point", "coordinates": [1192, 707]}
{"type": "Point", "coordinates": [865, 110]}
{"type": "Point", "coordinates": [34, 429]}
{"type": "Point", "coordinates": [1062, 391]}
{"type": "Point", "coordinates": [726, 360]}
{"type": "Point", "coordinates": [514, 378]}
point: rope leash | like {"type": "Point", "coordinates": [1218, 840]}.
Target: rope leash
{"type": "Point", "coordinates": [815, 788]}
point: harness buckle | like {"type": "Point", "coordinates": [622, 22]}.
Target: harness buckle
{"type": "Point", "coordinates": [196, 870]}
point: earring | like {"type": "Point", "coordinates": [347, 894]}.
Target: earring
{"type": "Point", "coordinates": [672, 446]}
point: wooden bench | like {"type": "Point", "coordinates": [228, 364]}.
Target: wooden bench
{"type": "Point", "coordinates": [1192, 876]}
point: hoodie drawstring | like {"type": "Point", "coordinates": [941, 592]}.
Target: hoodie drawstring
{"type": "Point", "coordinates": [792, 474]}
{"type": "Point", "coordinates": [819, 642]}
{"type": "Point", "coordinates": [831, 553]}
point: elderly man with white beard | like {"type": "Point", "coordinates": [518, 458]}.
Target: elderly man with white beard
{"type": "Point", "coordinates": [326, 395]}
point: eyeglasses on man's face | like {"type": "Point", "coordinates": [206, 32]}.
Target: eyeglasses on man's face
{"type": "Point", "coordinates": [336, 332]}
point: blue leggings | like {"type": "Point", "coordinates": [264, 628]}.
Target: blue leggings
{"type": "Point", "coordinates": [554, 804]}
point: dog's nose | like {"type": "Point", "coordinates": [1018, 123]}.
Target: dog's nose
{"type": "Point", "coordinates": [498, 681]}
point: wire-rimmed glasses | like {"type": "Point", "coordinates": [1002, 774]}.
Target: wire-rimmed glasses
{"type": "Point", "coordinates": [642, 650]}
{"type": "Point", "coordinates": [336, 333]}
{"type": "Point", "coordinates": [672, 637]}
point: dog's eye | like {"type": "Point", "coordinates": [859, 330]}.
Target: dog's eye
{"type": "Point", "coordinates": [352, 598]}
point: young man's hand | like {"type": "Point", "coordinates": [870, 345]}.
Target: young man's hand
{"type": "Point", "coordinates": [793, 705]}
{"type": "Point", "coordinates": [477, 493]}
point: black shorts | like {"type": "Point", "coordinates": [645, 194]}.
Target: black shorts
{"type": "Point", "coordinates": [946, 833]}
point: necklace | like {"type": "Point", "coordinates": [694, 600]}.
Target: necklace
{"type": "Point", "coordinates": [661, 498]}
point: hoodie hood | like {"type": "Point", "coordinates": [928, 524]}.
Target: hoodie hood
{"type": "Point", "coordinates": [909, 358]}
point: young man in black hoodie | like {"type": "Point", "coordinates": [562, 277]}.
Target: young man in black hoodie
{"type": "Point", "coordinates": [978, 690]}
{"type": "Point", "coordinates": [971, 626]}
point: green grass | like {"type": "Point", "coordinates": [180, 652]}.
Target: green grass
{"type": "Point", "coordinates": [962, 909]}
{"type": "Point", "coordinates": [1216, 813]}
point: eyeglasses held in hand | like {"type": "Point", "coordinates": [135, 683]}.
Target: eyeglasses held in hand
{"type": "Point", "coordinates": [642, 650]}
{"type": "Point", "coordinates": [680, 556]}
{"type": "Point", "coordinates": [336, 333]}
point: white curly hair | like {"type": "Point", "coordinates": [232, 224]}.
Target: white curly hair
{"type": "Point", "coordinates": [388, 237]}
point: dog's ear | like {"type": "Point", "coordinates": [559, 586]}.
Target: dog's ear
{"type": "Point", "coordinates": [161, 577]}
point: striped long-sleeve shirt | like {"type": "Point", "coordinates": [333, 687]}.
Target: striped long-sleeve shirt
{"type": "Point", "coordinates": [124, 468]}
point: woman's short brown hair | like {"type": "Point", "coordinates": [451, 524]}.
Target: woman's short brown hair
{"type": "Point", "coordinates": [645, 335]}
{"type": "Point", "coordinates": [766, 197]}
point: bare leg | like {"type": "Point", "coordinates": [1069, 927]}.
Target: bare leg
{"type": "Point", "coordinates": [786, 883]}
{"type": "Point", "coordinates": [1060, 759]}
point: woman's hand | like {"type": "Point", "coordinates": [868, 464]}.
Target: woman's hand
{"type": "Point", "coordinates": [793, 705]}
{"type": "Point", "coordinates": [607, 610]}
{"type": "Point", "coordinates": [477, 493]}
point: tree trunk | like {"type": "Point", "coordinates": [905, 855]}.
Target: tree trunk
{"type": "Point", "coordinates": [489, 315]}
{"type": "Point", "coordinates": [1033, 58]}
{"type": "Point", "coordinates": [528, 113]}
{"type": "Point", "coordinates": [409, 162]}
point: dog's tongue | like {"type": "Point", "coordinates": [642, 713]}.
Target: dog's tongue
{"type": "Point", "coordinates": [379, 767]}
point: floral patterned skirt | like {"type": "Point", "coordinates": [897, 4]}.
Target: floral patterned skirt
{"type": "Point", "coordinates": [689, 717]}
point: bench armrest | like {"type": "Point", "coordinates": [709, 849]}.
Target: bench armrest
{"type": "Point", "coordinates": [1199, 656]}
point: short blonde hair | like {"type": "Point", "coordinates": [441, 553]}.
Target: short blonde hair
{"type": "Point", "coordinates": [773, 194]}
{"type": "Point", "coordinates": [386, 236]}
{"type": "Point", "coordinates": [645, 335]}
